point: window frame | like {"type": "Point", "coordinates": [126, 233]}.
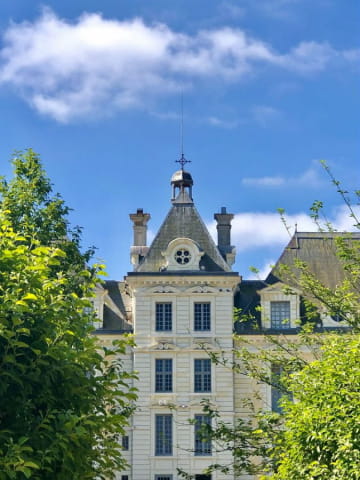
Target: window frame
{"type": "Point", "coordinates": [163, 435]}
{"type": "Point", "coordinates": [163, 375]}
{"type": "Point", "coordinates": [277, 318]}
{"type": "Point", "coordinates": [276, 393]}
{"type": "Point", "coordinates": [125, 443]}
{"type": "Point", "coordinates": [202, 318]}
{"type": "Point", "coordinates": [202, 448]}
{"type": "Point", "coordinates": [162, 322]}
{"type": "Point", "coordinates": [202, 375]}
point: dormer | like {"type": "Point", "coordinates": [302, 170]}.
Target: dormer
{"type": "Point", "coordinates": [280, 307]}
{"type": "Point", "coordinates": [182, 254]}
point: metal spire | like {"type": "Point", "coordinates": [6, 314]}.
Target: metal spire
{"type": "Point", "coordinates": [182, 159]}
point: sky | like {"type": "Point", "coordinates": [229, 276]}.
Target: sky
{"type": "Point", "coordinates": [269, 87]}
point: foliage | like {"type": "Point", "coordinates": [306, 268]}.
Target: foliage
{"type": "Point", "coordinates": [64, 401]}
{"type": "Point", "coordinates": [322, 435]}
{"type": "Point", "coordinates": [317, 436]}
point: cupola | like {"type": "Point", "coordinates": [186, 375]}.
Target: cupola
{"type": "Point", "coordinates": [182, 183]}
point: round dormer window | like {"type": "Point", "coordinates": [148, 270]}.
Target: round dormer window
{"type": "Point", "coordinates": [182, 256]}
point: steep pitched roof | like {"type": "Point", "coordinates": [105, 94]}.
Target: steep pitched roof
{"type": "Point", "coordinates": [114, 315]}
{"type": "Point", "coordinates": [183, 221]}
{"type": "Point", "coordinates": [318, 251]}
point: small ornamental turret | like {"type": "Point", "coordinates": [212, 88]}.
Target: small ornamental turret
{"type": "Point", "coordinates": [182, 183]}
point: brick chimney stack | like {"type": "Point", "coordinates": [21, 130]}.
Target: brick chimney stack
{"type": "Point", "coordinates": [223, 226]}
{"type": "Point", "coordinates": [139, 249]}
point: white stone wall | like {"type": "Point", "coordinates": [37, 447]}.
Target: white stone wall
{"type": "Point", "coordinates": [182, 345]}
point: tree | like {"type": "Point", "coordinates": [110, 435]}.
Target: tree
{"type": "Point", "coordinates": [321, 439]}
{"type": "Point", "coordinates": [64, 401]}
{"type": "Point", "coordinates": [317, 436]}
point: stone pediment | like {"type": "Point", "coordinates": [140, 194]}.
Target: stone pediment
{"type": "Point", "coordinates": [161, 289]}
{"type": "Point", "coordinates": [278, 287]}
{"type": "Point", "coordinates": [201, 289]}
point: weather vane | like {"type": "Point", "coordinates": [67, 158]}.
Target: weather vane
{"type": "Point", "coordinates": [182, 160]}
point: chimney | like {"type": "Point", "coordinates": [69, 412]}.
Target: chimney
{"type": "Point", "coordinates": [139, 248]}
{"type": "Point", "coordinates": [223, 226]}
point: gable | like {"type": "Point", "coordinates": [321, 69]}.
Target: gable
{"type": "Point", "coordinates": [183, 221]}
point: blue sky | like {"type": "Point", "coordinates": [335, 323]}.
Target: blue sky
{"type": "Point", "coordinates": [270, 88]}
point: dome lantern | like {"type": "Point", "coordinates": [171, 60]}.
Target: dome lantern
{"type": "Point", "coordinates": [182, 182]}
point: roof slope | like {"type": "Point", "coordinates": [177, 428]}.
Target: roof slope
{"type": "Point", "coordinates": [318, 251]}
{"type": "Point", "coordinates": [183, 221]}
{"type": "Point", "coordinates": [114, 315]}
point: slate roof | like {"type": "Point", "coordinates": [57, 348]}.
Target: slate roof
{"type": "Point", "coordinates": [115, 315]}
{"type": "Point", "coordinates": [184, 221]}
{"type": "Point", "coordinates": [318, 251]}
{"type": "Point", "coordinates": [247, 299]}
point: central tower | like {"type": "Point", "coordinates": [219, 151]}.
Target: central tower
{"type": "Point", "coordinates": [181, 290]}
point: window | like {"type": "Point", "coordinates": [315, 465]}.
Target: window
{"type": "Point", "coordinates": [182, 256]}
{"type": "Point", "coordinates": [202, 375]}
{"type": "Point", "coordinates": [202, 477]}
{"type": "Point", "coordinates": [163, 434]}
{"type": "Point", "coordinates": [125, 442]}
{"type": "Point", "coordinates": [163, 317]}
{"type": "Point", "coordinates": [277, 390]}
{"type": "Point", "coordinates": [163, 477]}
{"type": "Point", "coordinates": [280, 314]}
{"type": "Point", "coordinates": [202, 316]}
{"type": "Point", "coordinates": [202, 442]}
{"type": "Point", "coordinates": [124, 477]}
{"type": "Point", "coordinates": [163, 375]}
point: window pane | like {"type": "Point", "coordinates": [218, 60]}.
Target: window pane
{"type": "Point", "coordinates": [202, 375]}
{"type": "Point", "coordinates": [202, 316]}
{"type": "Point", "coordinates": [163, 435]}
{"type": "Point", "coordinates": [125, 442]}
{"type": "Point", "coordinates": [202, 444]}
{"type": "Point", "coordinates": [163, 317]}
{"type": "Point", "coordinates": [277, 393]}
{"type": "Point", "coordinates": [280, 315]}
{"type": "Point", "coordinates": [163, 375]}
{"type": "Point", "coordinates": [163, 477]}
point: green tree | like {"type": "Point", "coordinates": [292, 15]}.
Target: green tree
{"type": "Point", "coordinates": [64, 401]}
{"type": "Point", "coordinates": [321, 439]}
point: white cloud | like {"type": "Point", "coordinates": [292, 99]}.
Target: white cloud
{"type": "Point", "coordinates": [253, 230]}
{"type": "Point", "coordinates": [352, 55]}
{"type": "Point", "coordinates": [264, 181]}
{"type": "Point", "coordinates": [95, 65]}
{"type": "Point", "coordinates": [309, 57]}
{"type": "Point", "coordinates": [264, 115]}
{"type": "Point", "coordinates": [264, 270]}
{"type": "Point", "coordinates": [219, 122]}
{"type": "Point", "coordinates": [310, 178]}
{"type": "Point", "coordinates": [228, 9]}
{"type": "Point", "coordinates": [343, 221]}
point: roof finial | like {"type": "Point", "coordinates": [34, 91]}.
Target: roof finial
{"type": "Point", "coordinates": [182, 159]}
